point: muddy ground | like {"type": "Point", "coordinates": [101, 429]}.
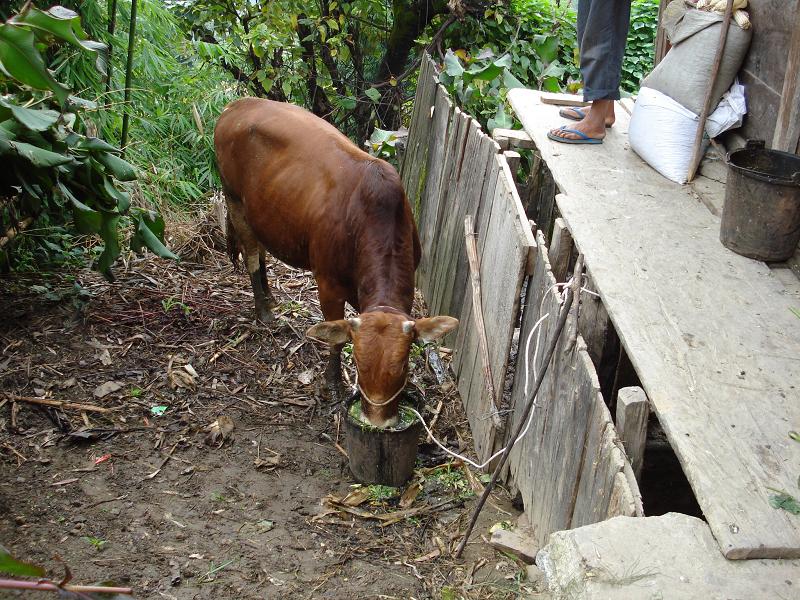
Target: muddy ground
{"type": "Point", "coordinates": [142, 496]}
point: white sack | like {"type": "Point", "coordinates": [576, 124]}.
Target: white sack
{"type": "Point", "coordinates": [662, 132]}
{"type": "Point", "coordinates": [730, 112]}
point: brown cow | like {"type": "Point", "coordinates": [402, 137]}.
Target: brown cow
{"type": "Point", "coordinates": [298, 188]}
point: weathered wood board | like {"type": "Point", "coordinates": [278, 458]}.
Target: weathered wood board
{"type": "Point", "coordinates": [567, 467]}
{"type": "Point", "coordinates": [710, 333]}
{"type": "Point", "coordinates": [504, 245]}
{"type": "Point", "coordinates": [429, 199]}
{"type": "Point", "coordinates": [415, 158]}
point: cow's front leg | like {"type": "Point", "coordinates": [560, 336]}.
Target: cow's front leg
{"type": "Point", "coordinates": [331, 301]}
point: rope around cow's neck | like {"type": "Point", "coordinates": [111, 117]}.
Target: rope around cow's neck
{"type": "Point", "coordinates": [358, 387]}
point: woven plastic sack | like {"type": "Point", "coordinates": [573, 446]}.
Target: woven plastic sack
{"type": "Point", "coordinates": [662, 132]}
{"type": "Point", "coordinates": [684, 73]}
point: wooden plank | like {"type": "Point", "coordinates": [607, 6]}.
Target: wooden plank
{"type": "Point", "coordinates": [632, 412]}
{"type": "Point", "coordinates": [602, 342]}
{"type": "Point", "coordinates": [710, 333]}
{"type": "Point", "coordinates": [449, 238]}
{"type": "Point", "coordinates": [622, 502]}
{"type": "Point", "coordinates": [564, 99]}
{"type": "Point", "coordinates": [512, 138]}
{"type": "Point", "coordinates": [602, 460]}
{"type": "Point", "coordinates": [465, 189]}
{"type": "Point", "coordinates": [662, 44]}
{"type": "Point", "coordinates": [513, 158]}
{"type": "Point", "coordinates": [430, 197]}
{"type": "Point", "coordinates": [419, 136]}
{"type": "Point", "coordinates": [546, 462]}
{"type": "Point", "coordinates": [560, 250]}
{"type": "Point", "coordinates": [504, 245]}
{"type": "Point", "coordinates": [474, 188]}
{"type": "Point", "coordinates": [787, 125]}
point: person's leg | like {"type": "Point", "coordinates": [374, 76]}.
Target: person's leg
{"type": "Point", "coordinates": [603, 31]}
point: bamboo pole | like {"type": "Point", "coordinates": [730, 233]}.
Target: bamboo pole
{"type": "Point", "coordinates": [112, 26]}
{"type": "Point", "coordinates": [697, 154]}
{"type": "Point", "coordinates": [129, 77]}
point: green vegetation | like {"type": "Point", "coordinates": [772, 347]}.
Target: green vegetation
{"type": "Point", "coordinates": [350, 62]}
{"type": "Point", "coordinates": [55, 172]}
{"type": "Point", "coordinates": [407, 417]}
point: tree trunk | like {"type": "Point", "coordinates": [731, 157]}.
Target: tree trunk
{"type": "Point", "coordinates": [410, 19]}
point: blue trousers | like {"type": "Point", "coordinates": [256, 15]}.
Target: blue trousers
{"type": "Point", "coordinates": [602, 33]}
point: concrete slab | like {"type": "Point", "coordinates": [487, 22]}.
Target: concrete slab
{"type": "Point", "coordinates": [673, 556]}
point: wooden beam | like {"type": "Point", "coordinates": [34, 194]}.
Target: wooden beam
{"type": "Point", "coordinates": [512, 138]}
{"type": "Point", "coordinates": [787, 126]}
{"type": "Point", "coordinates": [661, 35]}
{"type": "Point", "coordinates": [560, 250]}
{"type": "Point", "coordinates": [632, 412]}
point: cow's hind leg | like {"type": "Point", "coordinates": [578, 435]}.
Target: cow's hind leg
{"type": "Point", "coordinates": [262, 269]}
{"type": "Point", "coordinates": [252, 250]}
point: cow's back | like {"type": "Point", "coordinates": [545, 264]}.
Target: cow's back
{"type": "Point", "coordinates": [293, 172]}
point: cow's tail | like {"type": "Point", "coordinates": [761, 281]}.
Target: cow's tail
{"type": "Point", "coordinates": [232, 241]}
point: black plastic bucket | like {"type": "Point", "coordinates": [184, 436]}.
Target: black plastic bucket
{"type": "Point", "coordinates": [381, 456]}
{"type": "Point", "coordinates": [761, 217]}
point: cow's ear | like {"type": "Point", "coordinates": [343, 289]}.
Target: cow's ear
{"type": "Point", "coordinates": [330, 332]}
{"type": "Point", "coordinates": [432, 328]}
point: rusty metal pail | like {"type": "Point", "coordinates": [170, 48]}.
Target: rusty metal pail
{"type": "Point", "coordinates": [761, 217]}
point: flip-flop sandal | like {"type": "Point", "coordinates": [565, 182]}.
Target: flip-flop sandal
{"type": "Point", "coordinates": [567, 113]}
{"type": "Point", "coordinates": [584, 139]}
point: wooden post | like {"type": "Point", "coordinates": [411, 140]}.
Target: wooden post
{"type": "Point", "coordinates": [661, 35]}
{"type": "Point", "coordinates": [697, 155]}
{"type": "Point", "coordinates": [560, 250]}
{"type": "Point", "coordinates": [513, 158]}
{"type": "Point", "coordinates": [632, 412]}
{"type": "Point", "coordinates": [787, 126]}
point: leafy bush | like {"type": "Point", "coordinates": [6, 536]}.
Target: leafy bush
{"type": "Point", "coordinates": [640, 49]}
{"type": "Point", "coordinates": [51, 170]}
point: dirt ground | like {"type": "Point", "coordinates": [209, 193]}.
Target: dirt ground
{"type": "Point", "coordinates": [141, 495]}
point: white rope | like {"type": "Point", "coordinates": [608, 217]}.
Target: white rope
{"type": "Point", "coordinates": [535, 329]}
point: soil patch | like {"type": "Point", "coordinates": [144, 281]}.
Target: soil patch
{"type": "Point", "coordinates": [159, 495]}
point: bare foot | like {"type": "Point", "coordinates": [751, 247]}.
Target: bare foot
{"type": "Point", "coordinates": [576, 113]}
{"type": "Point", "coordinates": [592, 125]}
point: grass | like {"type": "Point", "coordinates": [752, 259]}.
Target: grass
{"type": "Point", "coordinates": [98, 543]}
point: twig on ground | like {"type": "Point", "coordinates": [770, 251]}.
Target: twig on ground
{"type": "Point", "coordinates": [59, 404]}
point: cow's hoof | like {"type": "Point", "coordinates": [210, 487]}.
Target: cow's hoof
{"type": "Point", "coordinates": [334, 393]}
{"type": "Point", "coordinates": [264, 316]}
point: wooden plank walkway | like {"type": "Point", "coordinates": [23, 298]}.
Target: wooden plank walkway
{"type": "Point", "coordinates": [710, 333]}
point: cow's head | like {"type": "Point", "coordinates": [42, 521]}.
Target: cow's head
{"type": "Point", "coordinates": [381, 344]}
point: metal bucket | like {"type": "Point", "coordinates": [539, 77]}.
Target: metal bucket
{"type": "Point", "coordinates": [381, 456]}
{"type": "Point", "coordinates": [761, 218]}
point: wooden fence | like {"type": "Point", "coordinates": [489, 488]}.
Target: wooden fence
{"type": "Point", "coordinates": [570, 468]}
